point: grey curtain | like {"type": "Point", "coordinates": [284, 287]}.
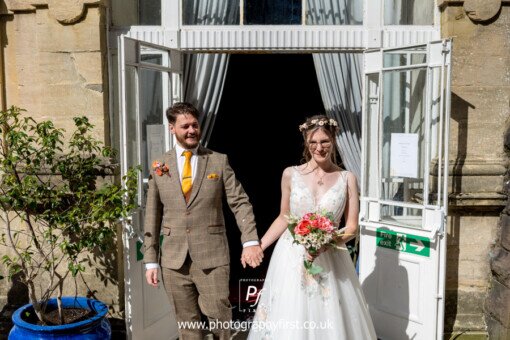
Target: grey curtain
{"type": "Point", "coordinates": [204, 77]}
{"type": "Point", "coordinates": [339, 76]}
{"type": "Point", "coordinates": [334, 12]}
{"type": "Point", "coordinates": [204, 74]}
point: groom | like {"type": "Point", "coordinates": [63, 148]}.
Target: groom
{"type": "Point", "coordinates": [184, 203]}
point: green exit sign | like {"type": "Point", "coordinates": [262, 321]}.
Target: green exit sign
{"type": "Point", "coordinates": [139, 254]}
{"type": "Point", "coordinates": [403, 242]}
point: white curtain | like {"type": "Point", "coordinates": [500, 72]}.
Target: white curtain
{"type": "Point", "coordinates": [204, 74]}
{"type": "Point", "coordinates": [339, 76]}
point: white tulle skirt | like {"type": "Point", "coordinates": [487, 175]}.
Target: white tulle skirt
{"type": "Point", "coordinates": [295, 305]}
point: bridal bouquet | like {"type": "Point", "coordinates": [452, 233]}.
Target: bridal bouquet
{"type": "Point", "coordinates": [313, 231]}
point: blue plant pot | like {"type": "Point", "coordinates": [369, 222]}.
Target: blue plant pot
{"type": "Point", "coordinates": [94, 328]}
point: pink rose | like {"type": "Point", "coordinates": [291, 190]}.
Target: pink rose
{"type": "Point", "coordinates": [307, 216]}
{"type": "Point", "coordinates": [325, 224]}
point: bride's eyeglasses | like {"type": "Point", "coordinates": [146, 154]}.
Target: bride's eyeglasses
{"type": "Point", "coordinates": [324, 144]}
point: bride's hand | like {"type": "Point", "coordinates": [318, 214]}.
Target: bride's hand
{"type": "Point", "coordinates": [311, 257]}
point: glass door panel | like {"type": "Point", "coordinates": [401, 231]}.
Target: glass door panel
{"type": "Point", "coordinates": [403, 143]}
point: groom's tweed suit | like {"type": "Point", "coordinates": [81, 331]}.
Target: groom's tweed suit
{"type": "Point", "coordinates": [194, 253]}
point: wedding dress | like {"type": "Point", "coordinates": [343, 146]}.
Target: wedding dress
{"type": "Point", "coordinates": [295, 305]}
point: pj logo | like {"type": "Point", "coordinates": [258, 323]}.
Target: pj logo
{"type": "Point", "coordinates": [250, 292]}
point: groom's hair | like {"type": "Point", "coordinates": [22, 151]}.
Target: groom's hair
{"type": "Point", "coordinates": [181, 108]}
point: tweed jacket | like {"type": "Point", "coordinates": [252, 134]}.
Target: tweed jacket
{"type": "Point", "coordinates": [196, 227]}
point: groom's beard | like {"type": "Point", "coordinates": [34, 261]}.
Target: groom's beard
{"type": "Point", "coordinates": [189, 141]}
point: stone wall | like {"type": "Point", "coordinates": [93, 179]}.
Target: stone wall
{"type": "Point", "coordinates": [54, 64]}
{"type": "Point", "coordinates": [55, 67]}
{"type": "Point", "coordinates": [480, 114]}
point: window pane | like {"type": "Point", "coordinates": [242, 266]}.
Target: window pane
{"type": "Point", "coordinates": [130, 119]}
{"type": "Point", "coordinates": [149, 12]}
{"type": "Point", "coordinates": [407, 217]}
{"type": "Point", "coordinates": [409, 12]}
{"type": "Point", "coordinates": [338, 12]}
{"type": "Point", "coordinates": [403, 140]}
{"type": "Point", "coordinates": [205, 12]}
{"type": "Point", "coordinates": [372, 111]}
{"type": "Point", "coordinates": [437, 133]}
{"type": "Point", "coordinates": [272, 12]}
{"type": "Point", "coordinates": [131, 113]}
{"type": "Point", "coordinates": [154, 56]}
{"type": "Point", "coordinates": [151, 116]}
{"type": "Point", "coordinates": [136, 12]}
{"type": "Point", "coordinates": [405, 57]}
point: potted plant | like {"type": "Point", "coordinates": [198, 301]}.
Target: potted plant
{"type": "Point", "coordinates": [57, 204]}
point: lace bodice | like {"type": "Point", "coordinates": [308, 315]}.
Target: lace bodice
{"type": "Point", "coordinates": [302, 200]}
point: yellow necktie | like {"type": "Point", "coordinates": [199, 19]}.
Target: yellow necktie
{"type": "Point", "coordinates": [186, 175]}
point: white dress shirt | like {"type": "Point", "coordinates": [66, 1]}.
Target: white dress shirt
{"type": "Point", "coordinates": [180, 165]}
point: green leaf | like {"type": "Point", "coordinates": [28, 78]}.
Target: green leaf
{"type": "Point", "coordinates": [312, 268]}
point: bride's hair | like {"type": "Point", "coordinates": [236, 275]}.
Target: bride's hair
{"type": "Point", "coordinates": [314, 123]}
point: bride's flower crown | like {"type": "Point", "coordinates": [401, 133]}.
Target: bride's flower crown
{"type": "Point", "coordinates": [318, 122]}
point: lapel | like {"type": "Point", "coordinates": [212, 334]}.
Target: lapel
{"type": "Point", "coordinates": [175, 181]}
{"type": "Point", "coordinates": [200, 172]}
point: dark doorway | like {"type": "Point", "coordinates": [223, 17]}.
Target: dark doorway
{"type": "Point", "coordinates": [264, 100]}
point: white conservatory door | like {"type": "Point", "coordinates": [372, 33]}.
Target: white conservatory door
{"type": "Point", "coordinates": [150, 81]}
{"type": "Point", "coordinates": [404, 192]}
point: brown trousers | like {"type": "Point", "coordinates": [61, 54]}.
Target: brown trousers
{"type": "Point", "coordinates": [195, 290]}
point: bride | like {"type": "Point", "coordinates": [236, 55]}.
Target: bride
{"type": "Point", "coordinates": [293, 303]}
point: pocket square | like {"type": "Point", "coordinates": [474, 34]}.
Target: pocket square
{"type": "Point", "coordinates": [213, 176]}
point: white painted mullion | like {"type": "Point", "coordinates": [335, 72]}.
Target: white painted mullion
{"type": "Point", "coordinates": [442, 248]}
{"type": "Point", "coordinates": [171, 14]}
{"type": "Point", "coordinates": [442, 121]}
{"type": "Point", "coordinates": [365, 104]}
{"type": "Point", "coordinates": [379, 135]}
{"type": "Point", "coordinates": [138, 134]}
{"type": "Point", "coordinates": [373, 23]}
{"type": "Point", "coordinates": [429, 91]}
{"type": "Point", "coordinates": [166, 88]}
{"type": "Point", "coordinates": [447, 93]}
{"type": "Point", "coordinates": [122, 105]}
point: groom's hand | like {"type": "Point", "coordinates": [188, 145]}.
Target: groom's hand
{"type": "Point", "coordinates": [152, 277]}
{"type": "Point", "coordinates": [252, 256]}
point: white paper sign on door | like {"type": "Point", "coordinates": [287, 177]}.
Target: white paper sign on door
{"type": "Point", "coordinates": [404, 155]}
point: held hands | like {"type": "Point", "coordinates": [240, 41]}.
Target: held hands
{"type": "Point", "coordinates": [252, 256]}
{"type": "Point", "coordinates": [152, 277]}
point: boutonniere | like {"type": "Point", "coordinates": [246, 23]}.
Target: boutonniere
{"type": "Point", "coordinates": [160, 168]}
{"type": "Point", "coordinates": [212, 176]}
